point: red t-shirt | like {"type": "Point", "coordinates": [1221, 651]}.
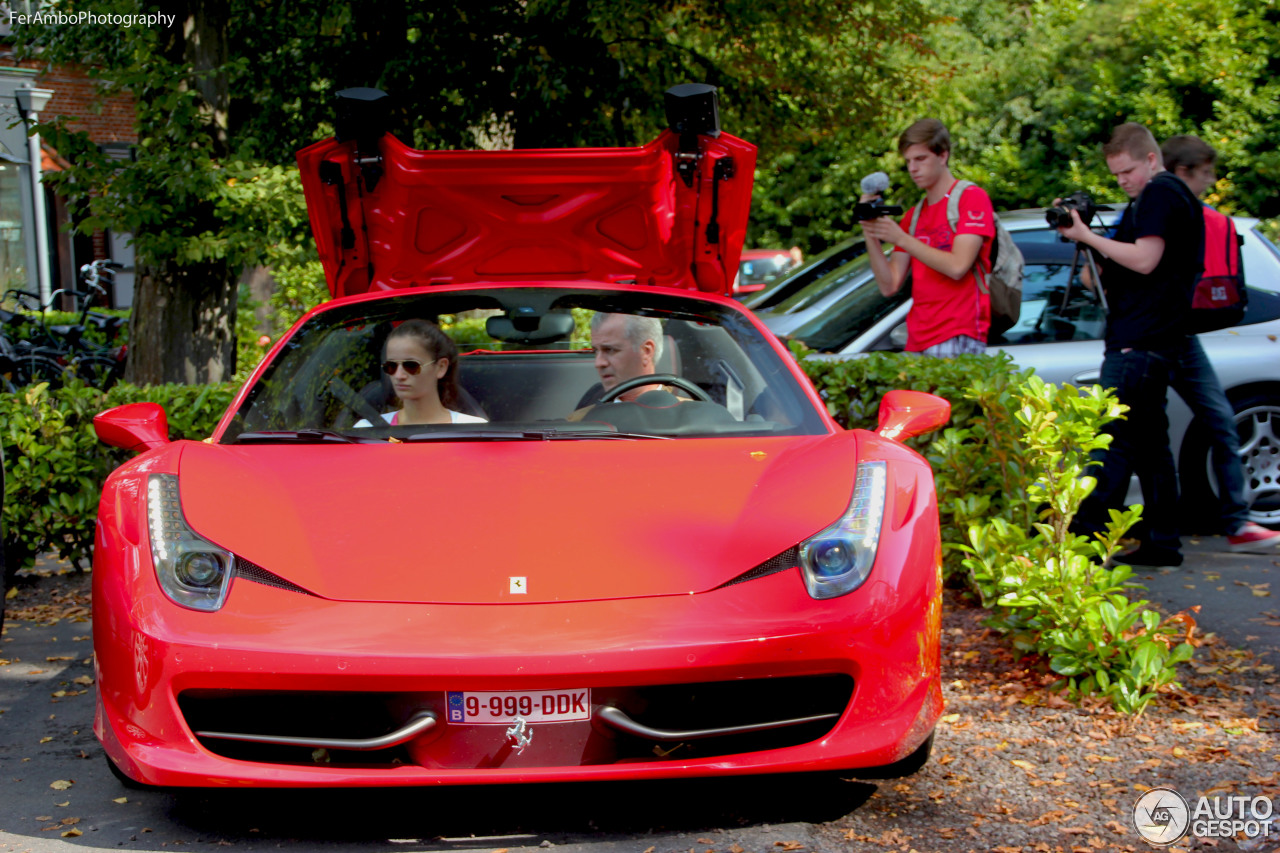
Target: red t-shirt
{"type": "Point", "coordinates": [945, 308]}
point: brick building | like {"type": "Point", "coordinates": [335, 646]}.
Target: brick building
{"type": "Point", "coordinates": [37, 250]}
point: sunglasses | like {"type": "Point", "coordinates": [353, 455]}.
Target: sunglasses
{"type": "Point", "coordinates": [411, 366]}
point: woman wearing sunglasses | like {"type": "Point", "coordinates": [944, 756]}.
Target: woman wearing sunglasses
{"type": "Point", "coordinates": [422, 362]}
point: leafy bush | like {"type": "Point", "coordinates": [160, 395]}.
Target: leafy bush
{"type": "Point", "coordinates": [55, 466]}
{"type": "Point", "coordinates": [300, 286]}
{"type": "Point", "coordinates": [1048, 587]}
{"type": "Point", "coordinates": [30, 329]}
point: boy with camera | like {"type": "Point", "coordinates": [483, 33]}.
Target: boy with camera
{"type": "Point", "coordinates": [1148, 273]}
{"type": "Point", "coordinates": [951, 313]}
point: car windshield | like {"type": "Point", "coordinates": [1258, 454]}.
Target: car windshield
{"type": "Point", "coordinates": [832, 282]}
{"type": "Point", "coordinates": [1262, 240]}
{"type": "Point", "coordinates": [525, 370]}
{"type": "Point", "coordinates": [761, 270]}
{"type": "Point", "coordinates": [855, 312]}
{"type": "Point", "coordinates": [784, 286]}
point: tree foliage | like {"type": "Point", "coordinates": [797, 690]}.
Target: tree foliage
{"type": "Point", "coordinates": [1030, 89]}
{"type": "Point", "coordinates": [227, 95]}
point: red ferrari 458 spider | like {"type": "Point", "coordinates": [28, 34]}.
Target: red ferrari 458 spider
{"type": "Point", "coordinates": [600, 527]}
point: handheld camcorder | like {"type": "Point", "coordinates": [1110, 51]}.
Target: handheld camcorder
{"type": "Point", "coordinates": [1080, 201]}
{"type": "Point", "coordinates": [877, 183]}
{"type": "Point", "coordinates": [873, 209]}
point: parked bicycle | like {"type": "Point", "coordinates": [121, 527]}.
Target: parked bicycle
{"type": "Point", "coordinates": [22, 362]}
{"type": "Point", "coordinates": [31, 350]}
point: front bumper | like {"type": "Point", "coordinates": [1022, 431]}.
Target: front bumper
{"type": "Point", "coordinates": [763, 650]}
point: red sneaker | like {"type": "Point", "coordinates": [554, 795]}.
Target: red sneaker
{"type": "Point", "coordinates": [1254, 539]}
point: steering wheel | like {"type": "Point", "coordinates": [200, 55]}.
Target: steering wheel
{"type": "Point", "coordinates": [655, 379]}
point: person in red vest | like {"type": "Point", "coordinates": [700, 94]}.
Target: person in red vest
{"type": "Point", "coordinates": [1194, 161]}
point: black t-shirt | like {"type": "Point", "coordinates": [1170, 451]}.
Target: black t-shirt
{"type": "Point", "coordinates": [1152, 311]}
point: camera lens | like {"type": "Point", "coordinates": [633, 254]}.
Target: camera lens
{"type": "Point", "coordinates": [1058, 217]}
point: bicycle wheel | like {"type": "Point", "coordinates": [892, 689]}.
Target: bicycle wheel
{"type": "Point", "coordinates": [30, 369]}
{"type": "Point", "coordinates": [97, 371]}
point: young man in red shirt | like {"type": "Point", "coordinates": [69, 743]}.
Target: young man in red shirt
{"type": "Point", "coordinates": [950, 314]}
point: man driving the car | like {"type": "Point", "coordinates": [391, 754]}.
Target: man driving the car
{"type": "Point", "coordinates": [625, 346]}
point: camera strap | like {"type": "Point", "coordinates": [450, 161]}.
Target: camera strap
{"type": "Point", "coordinates": [952, 199]}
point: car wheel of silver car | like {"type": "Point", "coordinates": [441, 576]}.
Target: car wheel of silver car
{"type": "Point", "coordinates": [1258, 421]}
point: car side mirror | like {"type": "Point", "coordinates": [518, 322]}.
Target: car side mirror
{"type": "Point", "coordinates": [904, 414]}
{"type": "Point", "coordinates": [134, 426]}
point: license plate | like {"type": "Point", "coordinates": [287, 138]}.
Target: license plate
{"type": "Point", "coordinates": [532, 706]}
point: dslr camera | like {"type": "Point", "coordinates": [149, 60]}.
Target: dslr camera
{"type": "Point", "coordinates": [1059, 216]}
{"type": "Point", "coordinates": [872, 209]}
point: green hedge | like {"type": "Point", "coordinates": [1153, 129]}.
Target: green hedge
{"type": "Point", "coordinates": [55, 466]}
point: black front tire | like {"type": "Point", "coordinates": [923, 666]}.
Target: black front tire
{"type": "Point", "coordinates": [908, 766]}
{"type": "Point", "coordinates": [1258, 422]}
{"type": "Point", "coordinates": [131, 784]}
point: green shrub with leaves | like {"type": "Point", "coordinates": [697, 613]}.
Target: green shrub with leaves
{"type": "Point", "coordinates": [1049, 588]}
{"type": "Point", "coordinates": [300, 286]}
{"type": "Point", "coordinates": [1010, 474]}
{"type": "Point", "coordinates": [55, 466]}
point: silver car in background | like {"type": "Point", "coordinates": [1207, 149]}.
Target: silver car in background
{"type": "Point", "coordinates": [1059, 334]}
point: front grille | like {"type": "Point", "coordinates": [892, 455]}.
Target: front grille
{"type": "Point", "coordinates": [671, 707]}
{"type": "Point", "coordinates": [298, 714]}
{"type": "Point", "coordinates": [732, 703]}
{"type": "Point", "coordinates": [253, 572]}
{"type": "Point", "coordinates": [786, 560]}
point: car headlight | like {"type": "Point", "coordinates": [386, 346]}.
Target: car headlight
{"type": "Point", "coordinates": [192, 570]}
{"type": "Point", "coordinates": [838, 560]}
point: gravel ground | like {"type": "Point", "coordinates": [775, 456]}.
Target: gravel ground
{"type": "Point", "coordinates": [1017, 768]}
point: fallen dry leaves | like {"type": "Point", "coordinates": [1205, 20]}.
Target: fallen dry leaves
{"type": "Point", "coordinates": [49, 607]}
{"type": "Point", "coordinates": [1079, 767]}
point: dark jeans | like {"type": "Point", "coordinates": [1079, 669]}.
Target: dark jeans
{"type": "Point", "coordinates": [1196, 383]}
{"type": "Point", "coordinates": [1139, 444]}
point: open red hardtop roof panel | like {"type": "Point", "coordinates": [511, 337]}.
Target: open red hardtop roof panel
{"type": "Point", "coordinates": [672, 213]}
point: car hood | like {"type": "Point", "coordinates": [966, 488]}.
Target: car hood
{"type": "Point", "coordinates": [456, 522]}
{"type": "Point", "coordinates": [387, 216]}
